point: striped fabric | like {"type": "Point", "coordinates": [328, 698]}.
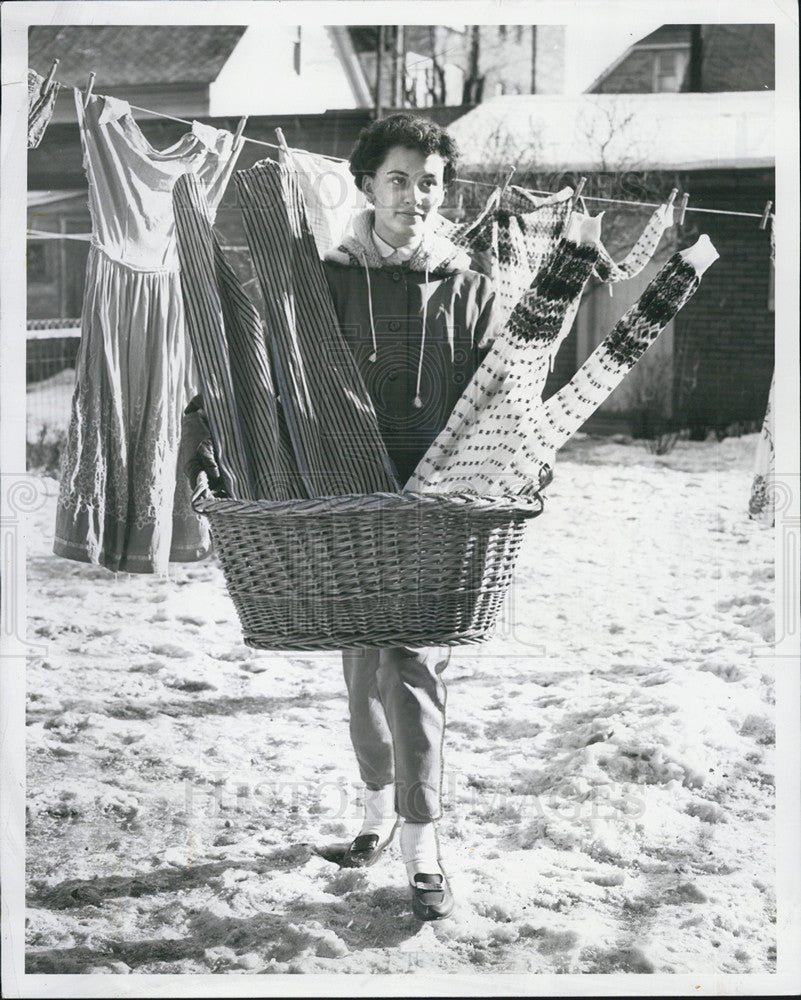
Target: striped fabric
{"type": "Point", "coordinates": [503, 443]}
{"type": "Point", "coordinates": [331, 419]}
{"type": "Point", "coordinates": [225, 330]}
{"type": "Point", "coordinates": [475, 451]}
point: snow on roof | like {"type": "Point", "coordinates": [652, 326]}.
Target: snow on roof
{"type": "Point", "coordinates": [620, 131]}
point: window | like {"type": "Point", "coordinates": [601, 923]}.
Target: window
{"type": "Point", "coordinates": [669, 66]}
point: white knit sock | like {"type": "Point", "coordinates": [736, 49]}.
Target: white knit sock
{"type": "Point", "coordinates": [379, 811]}
{"type": "Point", "coordinates": [418, 844]}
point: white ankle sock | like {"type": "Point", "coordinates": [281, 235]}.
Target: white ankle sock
{"type": "Point", "coordinates": [379, 811]}
{"type": "Point", "coordinates": [418, 844]}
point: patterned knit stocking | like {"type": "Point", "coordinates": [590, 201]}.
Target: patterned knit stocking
{"type": "Point", "coordinates": [474, 450]}
{"type": "Point", "coordinates": [640, 254]}
{"type": "Point", "coordinates": [562, 415]}
{"type": "Point", "coordinates": [504, 448]}
{"type": "Point", "coordinates": [513, 248]}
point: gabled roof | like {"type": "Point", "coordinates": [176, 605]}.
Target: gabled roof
{"type": "Point", "coordinates": [132, 54]}
{"type": "Point", "coordinates": [593, 132]}
{"type": "Point", "coordinates": [732, 57]}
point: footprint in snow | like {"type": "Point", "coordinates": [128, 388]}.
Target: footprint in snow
{"type": "Point", "coordinates": [727, 672]}
{"type": "Point", "coordinates": [171, 650]}
{"type": "Point", "coordinates": [615, 960]}
{"type": "Point", "coordinates": [191, 685]}
{"type": "Point", "coordinates": [254, 666]}
{"type": "Point", "coordinates": [192, 620]}
{"type": "Point", "coordinates": [706, 811]}
{"type": "Point", "coordinates": [150, 667]}
{"type": "Point", "coordinates": [344, 881]}
{"type": "Point", "coordinates": [550, 942]}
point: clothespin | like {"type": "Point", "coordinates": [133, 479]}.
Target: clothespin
{"type": "Point", "coordinates": [672, 198]}
{"type": "Point", "coordinates": [50, 77]}
{"type": "Point", "coordinates": [682, 209]}
{"type": "Point", "coordinates": [89, 87]}
{"type": "Point", "coordinates": [577, 192]}
{"type": "Point", "coordinates": [239, 130]}
{"type": "Point", "coordinates": [764, 220]}
{"type": "Point", "coordinates": [282, 143]}
{"type": "Point", "coordinates": [505, 184]}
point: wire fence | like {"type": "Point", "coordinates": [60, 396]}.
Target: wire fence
{"type": "Point", "coordinates": [50, 359]}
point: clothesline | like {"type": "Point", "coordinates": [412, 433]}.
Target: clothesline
{"type": "Point", "coordinates": [619, 201]}
{"type": "Point", "coordinates": [462, 180]}
{"type": "Point", "coordinates": [40, 234]}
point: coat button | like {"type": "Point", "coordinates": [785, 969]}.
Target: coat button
{"type": "Point", "coordinates": [392, 376]}
{"type": "Point", "coordinates": [394, 325]}
{"type": "Point", "coordinates": [396, 276]}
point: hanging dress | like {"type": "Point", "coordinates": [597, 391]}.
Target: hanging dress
{"type": "Point", "coordinates": [122, 503]}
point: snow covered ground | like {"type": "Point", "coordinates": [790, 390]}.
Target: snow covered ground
{"type": "Point", "coordinates": [609, 768]}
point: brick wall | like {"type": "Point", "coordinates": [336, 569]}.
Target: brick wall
{"type": "Point", "coordinates": [724, 338]}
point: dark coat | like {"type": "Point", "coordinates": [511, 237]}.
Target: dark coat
{"type": "Point", "coordinates": [459, 314]}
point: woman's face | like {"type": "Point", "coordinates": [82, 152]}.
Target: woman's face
{"type": "Point", "coordinates": [406, 190]}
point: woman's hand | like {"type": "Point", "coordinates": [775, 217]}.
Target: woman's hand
{"type": "Point", "coordinates": [197, 449]}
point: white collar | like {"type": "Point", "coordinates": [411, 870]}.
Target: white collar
{"type": "Point", "coordinates": [386, 250]}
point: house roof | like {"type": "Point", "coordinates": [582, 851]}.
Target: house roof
{"type": "Point", "coordinates": [738, 57]}
{"type": "Point", "coordinates": [666, 34]}
{"type": "Point", "coordinates": [733, 56]}
{"type": "Point", "coordinates": [132, 54]}
{"type": "Point", "coordinates": [620, 131]}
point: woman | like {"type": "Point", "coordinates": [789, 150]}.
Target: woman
{"type": "Point", "coordinates": [414, 315]}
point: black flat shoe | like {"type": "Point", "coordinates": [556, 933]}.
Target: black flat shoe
{"type": "Point", "coordinates": [362, 852]}
{"type": "Point", "coordinates": [432, 898]}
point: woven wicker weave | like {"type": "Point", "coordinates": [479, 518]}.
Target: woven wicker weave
{"type": "Point", "coordinates": [377, 570]}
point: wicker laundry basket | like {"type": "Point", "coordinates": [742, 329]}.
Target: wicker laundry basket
{"type": "Point", "coordinates": [381, 569]}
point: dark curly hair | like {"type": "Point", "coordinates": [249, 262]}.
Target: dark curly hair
{"type": "Point", "coordinates": [401, 129]}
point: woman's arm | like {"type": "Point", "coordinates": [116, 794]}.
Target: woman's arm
{"type": "Point", "coordinates": [197, 448]}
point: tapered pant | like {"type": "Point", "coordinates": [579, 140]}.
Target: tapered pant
{"type": "Point", "coordinates": [396, 698]}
